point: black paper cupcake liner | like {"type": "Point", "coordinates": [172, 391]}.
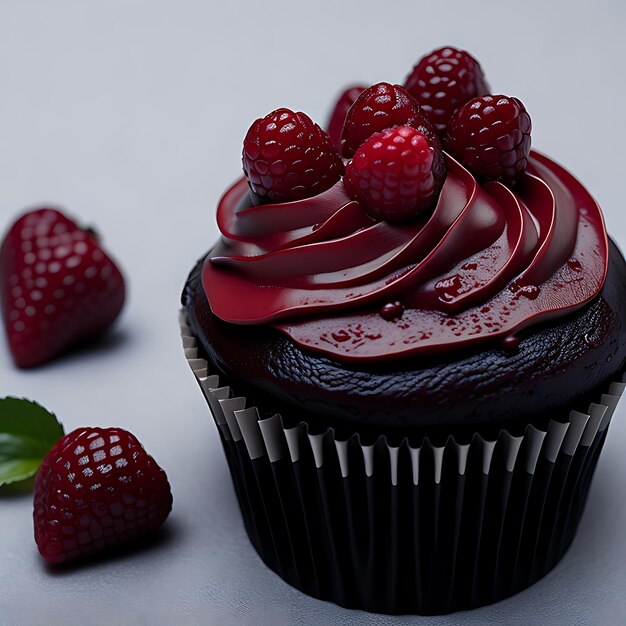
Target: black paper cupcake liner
{"type": "Point", "coordinates": [426, 529]}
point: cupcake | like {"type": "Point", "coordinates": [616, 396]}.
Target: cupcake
{"type": "Point", "coordinates": [410, 336]}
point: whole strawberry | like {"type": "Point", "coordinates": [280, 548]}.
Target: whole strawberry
{"type": "Point", "coordinates": [396, 175]}
{"type": "Point", "coordinates": [338, 115]}
{"type": "Point", "coordinates": [286, 156]}
{"type": "Point", "coordinates": [58, 287]}
{"type": "Point", "coordinates": [95, 489]}
{"type": "Point", "coordinates": [444, 80]}
{"type": "Point", "coordinates": [490, 135]}
{"type": "Point", "coordinates": [379, 107]}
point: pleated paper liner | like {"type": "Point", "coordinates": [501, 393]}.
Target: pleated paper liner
{"type": "Point", "coordinates": [400, 529]}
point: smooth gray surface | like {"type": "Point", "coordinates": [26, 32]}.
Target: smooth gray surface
{"type": "Point", "coordinates": [131, 114]}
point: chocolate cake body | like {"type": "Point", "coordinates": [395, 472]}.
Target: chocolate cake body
{"type": "Point", "coordinates": [558, 365]}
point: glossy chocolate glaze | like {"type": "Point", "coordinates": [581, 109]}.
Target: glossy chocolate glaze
{"type": "Point", "coordinates": [488, 262]}
{"type": "Point", "coordinates": [562, 364]}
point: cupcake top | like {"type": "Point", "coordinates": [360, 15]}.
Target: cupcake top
{"type": "Point", "coordinates": [404, 247]}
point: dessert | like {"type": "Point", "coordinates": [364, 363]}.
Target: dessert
{"type": "Point", "coordinates": [412, 370]}
{"type": "Point", "coordinates": [58, 287]}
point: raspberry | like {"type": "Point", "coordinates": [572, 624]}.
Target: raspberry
{"type": "Point", "coordinates": [490, 135]}
{"type": "Point", "coordinates": [338, 116]}
{"type": "Point", "coordinates": [444, 80]}
{"type": "Point", "coordinates": [95, 489]}
{"type": "Point", "coordinates": [396, 175]}
{"type": "Point", "coordinates": [286, 156]}
{"type": "Point", "coordinates": [58, 286]}
{"type": "Point", "coordinates": [380, 107]}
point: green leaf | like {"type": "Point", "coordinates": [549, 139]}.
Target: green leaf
{"type": "Point", "coordinates": [27, 433]}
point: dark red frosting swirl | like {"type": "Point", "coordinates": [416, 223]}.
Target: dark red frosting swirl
{"type": "Point", "coordinates": [486, 263]}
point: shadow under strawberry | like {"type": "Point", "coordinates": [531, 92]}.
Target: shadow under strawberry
{"type": "Point", "coordinates": [112, 341]}
{"type": "Point", "coordinates": [164, 537]}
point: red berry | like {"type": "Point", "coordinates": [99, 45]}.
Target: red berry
{"type": "Point", "coordinates": [95, 489]}
{"type": "Point", "coordinates": [490, 135]}
{"type": "Point", "coordinates": [338, 116]}
{"type": "Point", "coordinates": [380, 107]}
{"type": "Point", "coordinates": [444, 80]}
{"type": "Point", "coordinates": [58, 287]}
{"type": "Point", "coordinates": [396, 175]}
{"type": "Point", "coordinates": [286, 156]}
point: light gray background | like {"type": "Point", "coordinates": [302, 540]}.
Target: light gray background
{"type": "Point", "coordinates": [131, 114]}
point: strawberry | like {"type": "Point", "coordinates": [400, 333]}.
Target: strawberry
{"type": "Point", "coordinates": [57, 286]}
{"type": "Point", "coordinates": [95, 489]}
{"type": "Point", "coordinates": [287, 156]}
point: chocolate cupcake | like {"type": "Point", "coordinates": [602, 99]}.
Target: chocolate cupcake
{"type": "Point", "coordinates": [412, 362]}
